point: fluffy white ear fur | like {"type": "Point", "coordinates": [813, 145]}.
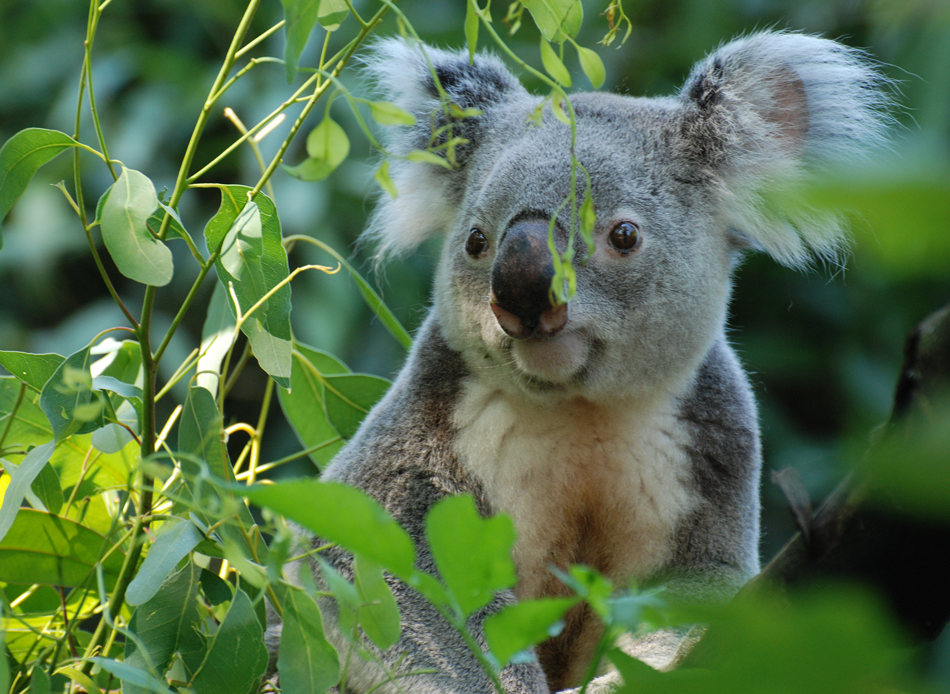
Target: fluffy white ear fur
{"type": "Point", "coordinates": [427, 201]}
{"type": "Point", "coordinates": [767, 109]}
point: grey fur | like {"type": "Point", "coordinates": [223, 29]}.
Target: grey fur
{"type": "Point", "coordinates": [629, 440]}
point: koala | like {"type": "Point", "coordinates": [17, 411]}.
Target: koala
{"type": "Point", "coordinates": [617, 430]}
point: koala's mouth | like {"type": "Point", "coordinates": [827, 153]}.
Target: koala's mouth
{"type": "Point", "coordinates": [555, 360]}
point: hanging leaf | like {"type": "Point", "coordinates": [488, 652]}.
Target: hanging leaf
{"type": "Point", "coordinates": [33, 369]}
{"type": "Point", "coordinates": [385, 181]}
{"type": "Point", "coordinates": [332, 13]}
{"type": "Point", "coordinates": [349, 398]}
{"type": "Point", "coordinates": [235, 656]}
{"type": "Point", "coordinates": [553, 65]}
{"type": "Point", "coordinates": [306, 661]}
{"type": "Point", "coordinates": [426, 157]}
{"type": "Point", "coordinates": [592, 66]}
{"type": "Point", "coordinates": [20, 158]}
{"type": "Point", "coordinates": [378, 613]}
{"type": "Point", "coordinates": [387, 113]}
{"type": "Point", "coordinates": [46, 549]}
{"type": "Point", "coordinates": [473, 553]}
{"type": "Point", "coordinates": [327, 147]}
{"type": "Point", "coordinates": [300, 17]}
{"type": "Point", "coordinates": [167, 624]}
{"type": "Point", "coordinates": [217, 336]}
{"type": "Point", "coordinates": [471, 30]}
{"type": "Point", "coordinates": [254, 261]}
{"type": "Point", "coordinates": [169, 548]}
{"type": "Point", "coordinates": [588, 220]}
{"type": "Point", "coordinates": [20, 482]}
{"type": "Point", "coordinates": [137, 254]}
{"type": "Point", "coordinates": [556, 19]}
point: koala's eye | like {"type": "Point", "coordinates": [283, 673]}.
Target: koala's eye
{"type": "Point", "coordinates": [625, 237]}
{"type": "Point", "coordinates": [477, 244]}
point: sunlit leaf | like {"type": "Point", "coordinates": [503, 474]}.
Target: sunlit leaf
{"type": "Point", "coordinates": [217, 336]}
{"type": "Point", "coordinates": [41, 548]}
{"type": "Point", "coordinates": [378, 614]}
{"type": "Point", "coordinates": [592, 66]}
{"type": "Point", "coordinates": [473, 553]}
{"type": "Point", "coordinates": [254, 261]}
{"type": "Point", "coordinates": [131, 674]}
{"type": "Point", "coordinates": [344, 515]}
{"type": "Point", "coordinates": [553, 65]}
{"type": "Point", "coordinates": [471, 30]}
{"type": "Point", "coordinates": [20, 158]}
{"type": "Point", "coordinates": [306, 661]}
{"type": "Point", "coordinates": [523, 625]}
{"type": "Point", "coordinates": [332, 13]}
{"type": "Point", "coordinates": [28, 470]}
{"type": "Point", "coordinates": [137, 253]}
{"type": "Point", "coordinates": [33, 369]}
{"type": "Point", "coordinates": [171, 546]}
{"type": "Point", "coordinates": [556, 19]}
{"type": "Point", "coordinates": [235, 655]}
{"type": "Point", "coordinates": [327, 147]}
{"type": "Point", "coordinates": [68, 395]}
{"type": "Point", "coordinates": [387, 113]}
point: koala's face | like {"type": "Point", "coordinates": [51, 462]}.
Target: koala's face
{"type": "Point", "coordinates": [651, 296]}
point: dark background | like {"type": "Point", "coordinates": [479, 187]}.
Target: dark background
{"type": "Point", "coordinates": [823, 347]}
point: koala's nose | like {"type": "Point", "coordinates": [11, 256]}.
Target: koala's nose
{"type": "Point", "coordinates": [521, 283]}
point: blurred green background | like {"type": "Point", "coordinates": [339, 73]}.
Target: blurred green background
{"type": "Point", "coordinates": [823, 347]}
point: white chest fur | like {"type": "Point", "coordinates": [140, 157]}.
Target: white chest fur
{"type": "Point", "coordinates": [603, 486]}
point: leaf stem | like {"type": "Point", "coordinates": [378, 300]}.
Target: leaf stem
{"type": "Point", "coordinates": [260, 38]}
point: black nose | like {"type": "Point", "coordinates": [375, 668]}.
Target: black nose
{"type": "Point", "coordinates": [521, 283]}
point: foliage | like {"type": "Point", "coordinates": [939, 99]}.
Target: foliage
{"type": "Point", "coordinates": [127, 551]}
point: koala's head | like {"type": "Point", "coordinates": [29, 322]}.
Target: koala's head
{"type": "Point", "coordinates": [677, 189]}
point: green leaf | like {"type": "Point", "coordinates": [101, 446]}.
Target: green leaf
{"type": "Point", "coordinates": [20, 482]}
{"type": "Point", "coordinates": [387, 113]}
{"type": "Point", "coordinates": [556, 19]}
{"type": "Point", "coordinates": [306, 661]}
{"type": "Point", "coordinates": [332, 13]}
{"type": "Point", "coordinates": [217, 336]}
{"type": "Point", "coordinates": [303, 404]}
{"type": "Point", "coordinates": [235, 657]}
{"type": "Point", "coordinates": [131, 674]}
{"type": "Point", "coordinates": [350, 397]}
{"type": "Point", "coordinates": [68, 398]}
{"type": "Point", "coordinates": [33, 369]}
{"type": "Point", "coordinates": [137, 254]}
{"type": "Point", "coordinates": [379, 614]}
{"type": "Point", "coordinates": [39, 681]}
{"type": "Point", "coordinates": [557, 108]}
{"type": "Point", "coordinates": [554, 66]}
{"type": "Point", "coordinates": [20, 158]}
{"type": "Point", "coordinates": [328, 146]}
{"type": "Point", "coordinates": [343, 515]}
{"type": "Point", "coordinates": [473, 553]}
{"type": "Point", "coordinates": [592, 66]}
{"type": "Point", "coordinates": [426, 157]}
{"type": "Point", "coordinates": [170, 547]}
{"type": "Point", "coordinates": [253, 259]}
{"type": "Point", "coordinates": [373, 300]}
{"type": "Point", "coordinates": [301, 18]}
{"type": "Point", "coordinates": [167, 624]}
{"type": "Point", "coordinates": [588, 220]}
{"type": "Point", "coordinates": [385, 181]}
{"type": "Point", "coordinates": [346, 596]}
{"type": "Point", "coordinates": [525, 624]}
{"type": "Point", "coordinates": [471, 30]}
{"type": "Point", "coordinates": [48, 488]}
{"type": "Point", "coordinates": [216, 589]}
{"type": "Point", "coordinates": [47, 549]}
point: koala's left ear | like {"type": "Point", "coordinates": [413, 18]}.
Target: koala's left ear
{"type": "Point", "coordinates": [766, 108]}
{"type": "Point", "coordinates": [429, 194]}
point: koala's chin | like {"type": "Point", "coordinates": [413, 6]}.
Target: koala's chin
{"type": "Point", "coordinates": [556, 360]}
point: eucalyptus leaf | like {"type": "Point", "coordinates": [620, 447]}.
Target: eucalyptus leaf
{"type": "Point", "coordinates": [33, 369]}
{"type": "Point", "coordinates": [557, 19]}
{"type": "Point", "coordinates": [592, 66]}
{"type": "Point", "coordinates": [388, 113]}
{"type": "Point", "coordinates": [344, 515]}
{"type": "Point", "coordinates": [332, 13]}
{"type": "Point", "coordinates": [385, 181]}
{"type": "Point", "coordinates": [327, 148]}
{"type": "Point", "coordinates": [170, 547]}
{"type": "Point", "coordinates": [254, 262]}
{"type": "Point", "coordinates": [378, 613]}
{"type": "Point", "coordinates": [553, 65]}
{"type": "Point", "coordinates": [300, 17]}
{"type": "Point", "coordinates": [471, 31]}
{"type": "Point", "coordinates": [349, 398]}
{"type": "Point", "coordinates": [20, 158]}
{"type": "Point", "coordinates": [46, 549]}
{"type": "Point", "coordinates": [523, 625]}
{"type": "Point", "coordinates": [137, 253]}
{"type": "Point", "coordinates": [425, 157]}
{"type": "Point", "coordinates": [217, 336]}
{"type": "Point", "coordinates": [473, 553]}
{"type": "Point", "coordinates": [306, 661]}
{"type": "Point", "coordinates": [131, 674]}
{"type": "Point", "coordinates": [235, 656]}
{"type": "Point", "coordinates": [20, 482]}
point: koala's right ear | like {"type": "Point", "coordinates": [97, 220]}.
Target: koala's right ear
{"type": "Point", "coordinates": [429, 194]}
{"type": "Point", "coordinates": [764, 109]}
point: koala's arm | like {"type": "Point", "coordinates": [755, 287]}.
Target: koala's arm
{"type": "Point", "coordinates": [402, 457]}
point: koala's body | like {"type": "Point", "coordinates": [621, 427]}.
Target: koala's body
{"type": "Point", "coordinates": [618, 430]}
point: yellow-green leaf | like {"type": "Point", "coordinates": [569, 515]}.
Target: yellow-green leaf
{"type": "Point", "coordinates": [387, 113]}
{"type": "Point", "coordinates": [592, 66]}
{"type": "Point", "coordinates": [384, 180]}
{"type": "Point", "coordinates": [553, 64]}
